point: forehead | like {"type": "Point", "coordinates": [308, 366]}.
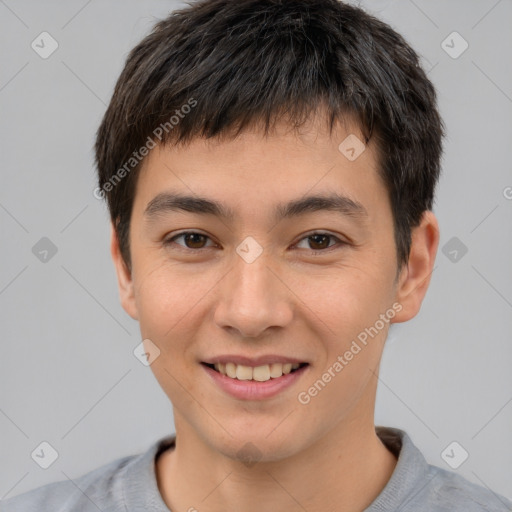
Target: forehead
{"type": "Point", "coordinates": [254, 170]}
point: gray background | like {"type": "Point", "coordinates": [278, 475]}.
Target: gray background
{"type": "Point", "coordinates": [68, 373]}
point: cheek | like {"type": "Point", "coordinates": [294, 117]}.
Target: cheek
{"type": "Point", "coordinates": [168, 301]}
{"type": "Point", "coordinates": [352, 348]}
{"type": "Point", "coordinates": [347, 299]}
{"type": "Point", "coordinates": [351, 307]}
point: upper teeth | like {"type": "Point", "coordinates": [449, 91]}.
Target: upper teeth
{"type": "Point", "coordinates": [259, 373]}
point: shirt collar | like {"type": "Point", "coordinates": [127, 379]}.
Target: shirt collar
{"type": "Point", "coordinates": [411, 471]}
{"type": "Point", "coordinates": [141, 493]}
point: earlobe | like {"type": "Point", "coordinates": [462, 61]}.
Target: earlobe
{"type": "Point", "coordinates": [124, 277]}
{"type": "Point", "coordinates": [415, 276]}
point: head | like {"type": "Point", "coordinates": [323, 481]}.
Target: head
{"type": "Point", "coordinates": [310, 127]}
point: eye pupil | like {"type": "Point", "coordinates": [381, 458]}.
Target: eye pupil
{"type": "Point", "coordinates": [192, 240]}
{"type": "Point", "coordinates": [195, 237]}
{"type": "Point", "coordinates": [318, 239]}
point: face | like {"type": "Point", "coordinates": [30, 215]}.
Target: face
{"type": "Point", "coordinates": [261, 273]}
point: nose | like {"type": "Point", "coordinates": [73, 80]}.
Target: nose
{"type": "Point", "coordinates": [253, 298]}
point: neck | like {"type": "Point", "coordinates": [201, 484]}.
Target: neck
{"type": "Point", "coordinates": [345, 471]}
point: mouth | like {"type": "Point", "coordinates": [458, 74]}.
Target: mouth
{"type": "Point", "coordinates": [261, 373]}
{"type": "Point", "coordinates": [262, 382]}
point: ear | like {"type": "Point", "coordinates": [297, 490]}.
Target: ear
{"type": "Point", "coordinates": [415, 277]}
{"type": "Point", "coordinates": [124, 278]}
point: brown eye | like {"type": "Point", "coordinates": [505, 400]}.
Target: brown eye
{"type": "Point", "coordinates": [319, 242]}
{"type": "Point", "coordinates": [192, 240]}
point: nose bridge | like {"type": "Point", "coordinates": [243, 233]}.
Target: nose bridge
{"type": "Point", "coordinates": [252, 297]}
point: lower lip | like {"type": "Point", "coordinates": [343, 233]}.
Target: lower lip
{"type": "Point", "coordinates": [251, 389]}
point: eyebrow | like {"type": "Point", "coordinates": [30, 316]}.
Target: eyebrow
{"type": "Point", "coordinates": [166, 202]}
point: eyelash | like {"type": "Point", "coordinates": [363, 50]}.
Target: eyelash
{"type": "Point", "coordinates": [170, 241]}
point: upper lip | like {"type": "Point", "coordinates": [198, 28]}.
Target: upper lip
{"type": "Point", "coordinates": [253, 361]}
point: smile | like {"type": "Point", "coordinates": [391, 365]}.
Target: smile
{"type": "Point", "coordinates": [261, 373]}
{"type": "Point", "coordinates": [261, 382]}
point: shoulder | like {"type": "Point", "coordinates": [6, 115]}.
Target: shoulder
{"type": "Point", "coordinates": [87, 492]}
{"type": "Point", "coordinates": [416, 486]}
{"type": "Point", "coordinates": [127, 483]}
{"type": "Point", "coordinates": [116, 486]}
{"type": "Point", "coordinates": [447, 491]}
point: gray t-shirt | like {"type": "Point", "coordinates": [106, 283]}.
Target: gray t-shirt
{"type": "Point", "coordinates": [129, 484]}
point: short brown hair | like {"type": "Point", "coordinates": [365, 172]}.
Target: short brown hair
{"type": "Point", "coordinates": [249, 61]}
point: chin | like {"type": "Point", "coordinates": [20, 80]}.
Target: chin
{"type": "Point", "coordinates": [253, 447]}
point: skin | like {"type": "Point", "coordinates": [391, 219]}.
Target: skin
{"type": "Point", "coordinates": [202, 301]}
